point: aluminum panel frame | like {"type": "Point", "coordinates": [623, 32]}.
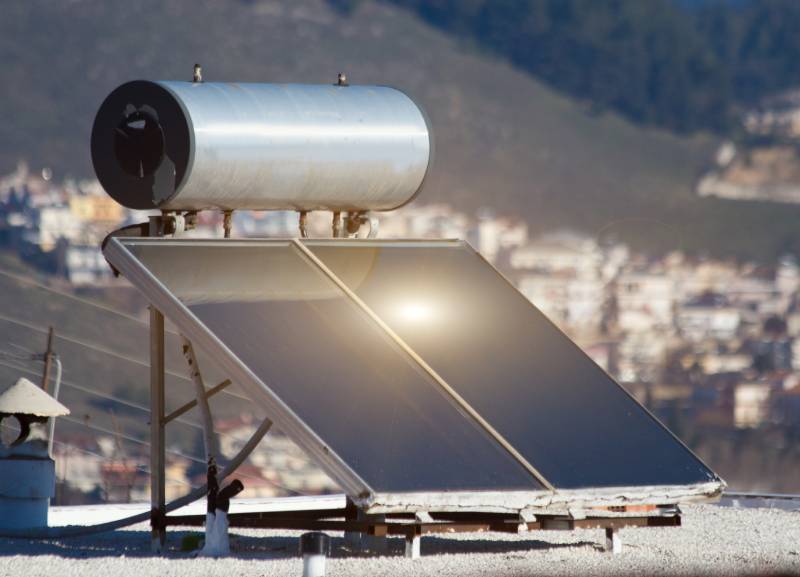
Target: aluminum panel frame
{"type": "Point", "coordinates": [550, 501]}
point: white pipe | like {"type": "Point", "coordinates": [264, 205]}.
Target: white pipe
{"type": "Point", "coordinates": [313, 565]}
{"type": "Point", "coordinates": [209, 437]}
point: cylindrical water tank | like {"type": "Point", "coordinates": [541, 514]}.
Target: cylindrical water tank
{"type": "Point", "coordinates": [202, 145]}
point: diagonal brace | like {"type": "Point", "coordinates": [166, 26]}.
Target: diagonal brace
{"type": "Point", "coordinates": [193, 403]}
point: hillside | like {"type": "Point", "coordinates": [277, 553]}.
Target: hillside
{"type": "Point", "coordinates": [502, 138]}
{"type": "Point", "coordinates": [682, 65]}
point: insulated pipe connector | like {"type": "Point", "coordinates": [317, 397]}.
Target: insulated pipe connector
{"type": "Point", "coordinates": [314, 547]}
{"type": "Point", "coordinates": [229, 492]}
{"type": "Point", "coordinates": [187, 146]}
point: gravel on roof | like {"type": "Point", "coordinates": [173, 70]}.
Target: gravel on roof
{"type": "Point", "coordinates": [712, 541]}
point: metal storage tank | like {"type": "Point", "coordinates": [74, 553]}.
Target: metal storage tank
{"type": "Point", "coordinates": [199, 145]}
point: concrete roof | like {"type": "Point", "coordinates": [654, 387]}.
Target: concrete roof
{"type": "Point", "coordinates": [26, 398]}
{"type": "Point", "coordinates": [713, 540]}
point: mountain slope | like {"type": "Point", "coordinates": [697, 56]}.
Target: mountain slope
{"type": "Point", "coordinates": [502, 139]}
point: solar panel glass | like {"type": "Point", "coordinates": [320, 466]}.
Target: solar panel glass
{"type": "Point", "coordinates": [342, 375]}
{"type": "Point", "coordinates": [561, 411]}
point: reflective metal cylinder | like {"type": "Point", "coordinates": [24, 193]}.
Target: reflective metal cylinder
{"type": "Point", "coordinates": [195, 146]}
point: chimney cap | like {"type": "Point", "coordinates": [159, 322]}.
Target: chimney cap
{"type": "Point", "coordinates": [25, 398]}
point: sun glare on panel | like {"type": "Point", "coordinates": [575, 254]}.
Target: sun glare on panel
{"type": "Point", "coordinates": [416, 311]}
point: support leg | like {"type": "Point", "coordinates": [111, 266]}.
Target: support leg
{"type": "Point", "coordinates": [358, 541]}
{"type": "Point", "coordinates": [352, 540]}
{"type": "Point", "coordinates": [413, 545]}
{"type": "Point", "coordinates": [613, 542]}
{"type": "Point", "coordinates": [374, 543]}
{"type": "Point", "coordinates": [157, 448]}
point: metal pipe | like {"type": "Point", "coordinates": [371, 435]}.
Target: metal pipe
{"type": "Point", "coordinates": [157, 442]}
{"type": "Point", "coordinates": [56, 390]}
{"type": "Point", "coordinates": [205, 145]}
{"type": "Point", "coordinates": [227, 223]}
{"type": "Point", "coordinates": [210, 443]}
{"type": "Point", "coordinates": [302, 224]}
{"type": "Point", "coordinates": [191, 404]}
{"type": "Point", "coordinates": [48, 360]}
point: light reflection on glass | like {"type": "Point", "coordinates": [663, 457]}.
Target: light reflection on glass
{"type": "Point", "coordinates": [416, 311]}
{"type": "Point", "coordinates": [502, 355]}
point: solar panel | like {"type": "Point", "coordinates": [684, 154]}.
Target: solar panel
{"type": "Point", "coordinates": [345, 387]}
{"type": "Point", "coordinates": [561, 411]}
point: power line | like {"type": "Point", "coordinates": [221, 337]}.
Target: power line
{"type": "Point", "coordinates": [172, 451]}
{"type": "Point", "coordinates": [141, 468]}
{"type": "Point", "coordinates": [94, 392]}
{"type": "Point", "coordinates": [100, 456]}
{"type": "Point", "coordinates": [139, 441]}
{"type": "Point", "coordinates": [102, 350]}
{"type": "Point", "coordinates": [144, 443]}
{"type": "Point", "coordinates": [115, 399]}
{"type": "Point", "coordinates": [87, 344]}
{"type": "Point", "coordinates": [30, 281]}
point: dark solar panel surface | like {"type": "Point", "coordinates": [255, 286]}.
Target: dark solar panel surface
{"type": "Point", "coordinates": [332, 365]}
{"type": "Point", "coordinates": [561, 411]}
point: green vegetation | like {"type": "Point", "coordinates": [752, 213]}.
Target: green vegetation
{"type": "Point", "coordinates": [680, 65]}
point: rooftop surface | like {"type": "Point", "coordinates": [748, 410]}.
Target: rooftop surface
{"type": "Point", "coordinates": [714, 540]}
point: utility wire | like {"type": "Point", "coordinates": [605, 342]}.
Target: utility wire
{"type": "Point", "coordinates": [103, 350]}
{"type": "Point", "coordinates": [108, 396]}
{"type": "Point", "coordinates": [115, 399]}
{"type": "Point", "coordinates": [172, 451]}
{"type": "Point", "coordinates": [87, 390]}
{"type": "Point", "coordinates": [32, 282]}
{"type": "Point", "coordinates": [87, 344]}
{"type": "Point", "coordinates": [141, 468]}
{"type": "Point", "coordinates": [74, 447]}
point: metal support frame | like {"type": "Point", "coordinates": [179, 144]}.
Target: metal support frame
{"type": "Point", "coordinates": [413, 544]}
{"type": "Point", "coordinates": [193, 403]}
{"type": "Point", "coordinates": [227, 223]}
{"type": "Point", "coordinates": [352, 539]}
{"type": "Point", "coordinates": [414, 539]}
{"type": "Point", "coordinates": [448, 514]}
{"type": "Point", "coordinates": [157, 447]}
{"type": "Point", "coordinates": [158, 421]}
{"type": "Point", "coordinates": [336, 225]}
{"type": "Point", "coordinates": [118, 253]}
{"type": "Point", "coordinates": [413, 527]}
{"type": "Point", "coordinates": [374, 541]}
{"type": "Point", "coordinates": [49, 355]}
